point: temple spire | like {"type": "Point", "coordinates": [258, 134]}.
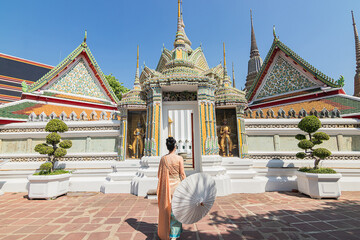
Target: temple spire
{"type": "Point", "coordinates": [181, 40]}
{"type": "Point", "coordinates": [137, 66]}
{"type": "Point", "coordinates": [233, 75]}
{"type": "Point", "coordinates": [137, 74]}
{"type": "Point", "coordinates": [255, 61]}
{"type": "Point", "coordinates": [254, 51]}
{"type": "Point", "coordinates": [357, 54]}
{"type": "Point", "coordinates": [225, 70]}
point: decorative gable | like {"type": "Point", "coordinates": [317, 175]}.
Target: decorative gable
{"type": "Point", "coordinates": [283, 78]}
{"type": "Point", "coordinates": [78, 80]}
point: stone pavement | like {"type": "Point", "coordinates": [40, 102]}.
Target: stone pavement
{"type": "Point", "coordinates": [90, 216]}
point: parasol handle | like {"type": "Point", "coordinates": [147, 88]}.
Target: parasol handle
{"type": "Point", "coordinates": [200, 202]}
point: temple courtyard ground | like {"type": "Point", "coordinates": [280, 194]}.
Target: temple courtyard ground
{"type": "Point", "coordinates": [89, 216]}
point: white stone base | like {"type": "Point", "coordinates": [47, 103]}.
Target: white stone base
{"type": "Point", "coordinates": [255, 185]}
{"type": "Point", "coordinates": [48, 186]}
{"type": "Point", "coordinates": [119, 181]}
{"type": "Point", "coordinates": [242, 176]}
{"type": "Point", "coordinates": [146, 176]}
{"type": "Point", "coordinates": [211, 164]}
{"type": "Point", "coordinates": [319, 185]}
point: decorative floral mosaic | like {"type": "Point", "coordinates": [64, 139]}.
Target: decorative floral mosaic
{"type": "Point", "coordinates": [78, 81]}
{"type": "Point", "coordinates": [283, 78]}
{"type": "Point", "coordinates": [179, 96]}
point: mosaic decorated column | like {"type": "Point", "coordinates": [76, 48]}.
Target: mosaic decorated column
{"type": "Point", "coordinates": [243, 147]}
{"type": "Point", "coordinates": [207, 121]}
{"type": "Point", "coordinates": [123, 134]}
{"type": "Point", "coordinates": [152, 140]}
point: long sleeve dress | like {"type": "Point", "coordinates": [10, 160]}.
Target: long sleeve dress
{"type": "Point", "coordinates": [170, 173]}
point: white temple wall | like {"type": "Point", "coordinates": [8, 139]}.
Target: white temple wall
{"type": "Point", "coordinates": [272, 147]}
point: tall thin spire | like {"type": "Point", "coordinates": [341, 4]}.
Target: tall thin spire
{"type": "Point", "coordinates": [137, 64]}
{"type": "Point", "coordinates": [181, 40]}
{"type": "Point", "coordinates": [255, 61]}
{"type": "Point", "coordinates": [254, 51]}
{"type": "Point", "coordinates": [137, 74]}
{"type": "Point", "coordinates": [233, 75]}
{"type": "Point", "coordinates": [225, 70]}
{"type": "Point", "coordinates": [357, 44]}
{"type": "Point", "coordinates": [357, 54]}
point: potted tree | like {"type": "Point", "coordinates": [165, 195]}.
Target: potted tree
{"type": "Point", "coordinates": [50, 182]}
{"type": "Point", "coordinates": [316, 182]}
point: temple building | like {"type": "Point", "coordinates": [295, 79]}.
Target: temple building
{"type": "Point", "coordinates": [243, 139]}
{"type": "Point", "coordinates": [14, 71]}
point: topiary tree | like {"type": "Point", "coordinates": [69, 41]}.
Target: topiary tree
{"type": "Point", "coordinates": [310, 125]}
{"type": "Point", "coordinates": [51, 147]}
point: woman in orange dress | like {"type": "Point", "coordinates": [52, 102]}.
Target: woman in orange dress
{"type": "Point", "coordinates": [171, 173]}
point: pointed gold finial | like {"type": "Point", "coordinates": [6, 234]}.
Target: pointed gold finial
{"type": "Point", "coordinates": [179, 8]}
{"type": "Point", "coordinates": [85, 37]}
{"type": "Point", "coordinates": [276, 38]}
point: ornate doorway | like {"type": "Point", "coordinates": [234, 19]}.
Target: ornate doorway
{"type": "Point", "coordinates": [181, 122]}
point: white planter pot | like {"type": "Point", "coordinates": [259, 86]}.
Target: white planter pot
{"type": "Point", "coordinates": [48, 186]}
{"type": "Point", "coordinates": [319, 185]}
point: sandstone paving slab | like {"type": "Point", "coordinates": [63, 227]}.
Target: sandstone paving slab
{"type": "Point", "coordinates": [271, 215]}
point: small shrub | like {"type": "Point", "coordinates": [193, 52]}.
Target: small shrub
{"type": "Point", "coordinates": [51, 149]}
{"type": "Point", "coordinates": [310, 125]}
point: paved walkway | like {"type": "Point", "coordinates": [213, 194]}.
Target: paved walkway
{"type": "Point", "coordinates": [273, 215]}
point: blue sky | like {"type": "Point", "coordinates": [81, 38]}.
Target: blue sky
{"type": "Point", "coordinates": [47, 31]}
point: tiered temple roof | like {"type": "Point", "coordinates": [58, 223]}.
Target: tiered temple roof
{"type": "Point", "coordinates": [74, 89]}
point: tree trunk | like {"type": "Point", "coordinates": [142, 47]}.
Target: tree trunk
{"type": "Point", "coordinates": [316, 163]}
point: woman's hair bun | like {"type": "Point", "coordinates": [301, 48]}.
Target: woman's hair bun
{"type": "Point", "coordinates": [170, 143]}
